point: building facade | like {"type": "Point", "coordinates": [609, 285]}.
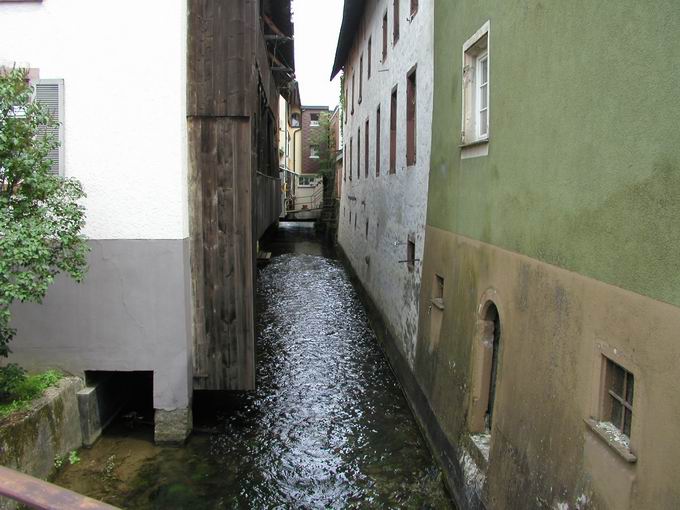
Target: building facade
{"type": "Point", "coordinates": [167, 171]}
{"type": "Point", "coordinates": [385, 51]}
{"type": "Point", "coordinates": [309, 191]}
{"type": "Point", "coordinates": [547, 349]}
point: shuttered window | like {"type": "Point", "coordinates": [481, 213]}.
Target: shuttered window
{"type": "Point", "coordinates": [50, 93]}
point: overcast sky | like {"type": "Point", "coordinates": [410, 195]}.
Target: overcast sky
{"type": "Point", "coordinates": [317, 24]}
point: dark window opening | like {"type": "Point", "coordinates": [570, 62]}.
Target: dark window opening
{"type": "Point", "coordinates": [366, 229]}
{"type": "Point", "coordinates": [361, 78]}
{"type": "Point", "coordinates": [411, 119]}
{"type": "Point", "coordinates": [366, 144]}
{"type": "Point", "coordinates": [368, 56]}
{"type": "Point", "coordinates": [619, 387]}
{"type": "Point", "coordinates": [359, 153]}
{"type": "Point", "coordinates": [493, 317]}
{"type": "Point", "coordinates": [411, 253]}
{"type": "Point", "coordinates": [384, 30]}
{"type": "Point", "coordinates": [393, 133]}
{"type": "Point", "coordinates": [377, 143]}
{"type": "Point", "coordinates": [314, 119]}
{"type": "Point", "coordinates": [351, 143]}
{"type": "Point", "coordinates": [395, 30]}
{"type": "Point", "coordinates": [438, 287]}
{"type": "Point", "coordinates": [352, 95]}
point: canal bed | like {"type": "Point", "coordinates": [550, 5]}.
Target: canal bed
{"type": "Point", "coordinates": [327, 427]}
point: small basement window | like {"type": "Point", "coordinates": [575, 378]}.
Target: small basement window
{"type": "Point", "coordinates": [617, 396]}
{"type": "Point", "coordinates": [411, 253]}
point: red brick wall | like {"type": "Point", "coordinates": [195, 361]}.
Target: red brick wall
{"type": "Point", "coordinates": [309, 136]}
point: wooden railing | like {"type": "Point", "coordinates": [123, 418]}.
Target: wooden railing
{"type": "Point", "coordinates": [41, 495]}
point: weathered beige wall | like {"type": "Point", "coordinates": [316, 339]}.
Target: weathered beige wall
{"type": "Point", "coordinates": [555, 326]}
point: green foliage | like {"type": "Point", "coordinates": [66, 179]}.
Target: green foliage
{"type": "Point", "coordinates": [21, 389]}
{"type": "Point", "coordinates": [73, 458]}
{"type": "Point", "coordinates": [40, 216]}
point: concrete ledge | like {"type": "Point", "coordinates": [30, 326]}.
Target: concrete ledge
{"type": "Point", "coordinates": [444, 451]}
{"type": "Point", "coordinates": [30, 440]}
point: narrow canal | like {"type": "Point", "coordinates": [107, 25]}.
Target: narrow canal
{"type": "Point", "coordinates": [328, 426]}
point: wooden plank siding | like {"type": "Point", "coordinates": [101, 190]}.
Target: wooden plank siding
{"type": "Point", "coordinates": [233, 189]}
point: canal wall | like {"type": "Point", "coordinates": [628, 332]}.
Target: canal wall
{"type": "Point", "coordinates": [30, 441]}
{"type": "Point", "coordinates": [458, 469]}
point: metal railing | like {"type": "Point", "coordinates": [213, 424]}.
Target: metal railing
{"type": "Point", "coordinates": [41, 495]}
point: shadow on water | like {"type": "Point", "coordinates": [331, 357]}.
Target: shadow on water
{"type": "Point", "coordinates": [327, 427]}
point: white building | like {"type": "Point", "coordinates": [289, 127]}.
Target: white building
{"type": "Point", "coordinates": [385, 50]}
{"type": "Point", "coordinates": [132, 110]}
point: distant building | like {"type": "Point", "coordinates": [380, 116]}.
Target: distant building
{"type": "Point", "coordinates": [289, 140]}
{"type": "Point", "coordinates": [309, 190]}
{"type": "Point", "coordinates": [172, 132]}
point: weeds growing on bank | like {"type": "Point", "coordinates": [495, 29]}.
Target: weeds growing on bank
{"type": "Point", "coordinates": [24, 389]}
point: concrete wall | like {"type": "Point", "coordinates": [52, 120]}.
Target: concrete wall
{"type": "Point", "coordinates": [125, 140]}
{"type": "Point", "coordinates": [394, 205]}
{"type": "Point", "coordinates": [568, 225]}
{"type": "Point", "coordinates": [131, 313]}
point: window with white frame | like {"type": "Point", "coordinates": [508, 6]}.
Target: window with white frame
{"type": "Point", "coordinates": [476, 82]}
{"type": "Point", "coordinates": [314, 151]}
{"type": "Point", "coordinates": [314, 120]}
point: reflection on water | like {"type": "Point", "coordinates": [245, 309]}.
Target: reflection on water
{"type": "Point", "coordinates": [327, 427]}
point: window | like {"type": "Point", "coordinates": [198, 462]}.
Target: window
{"type": "Point", "coordinates": [411, 253]}
{"type": "Point", "coordinates": [307, 180]}
{"type": "Point", "coordinates": [411, 118]}
{"type": "Point", "coordinates": [350, 158]}
{"type": "Point", "coordinates": [486, 359]}
{"type": "Point", "coordinates": [314, 151]}
{"type": "Point", "coordinates": [314, 120]}
{"type": "Point", "coordinates": [366, 228]}
{"type": "Point", "coordinates": [377, 143]}
{"type": "Point", "coordinates": [476, 73]}
{"type": "Point", "coordinates": [361, 78]}
{"type": "Point", "coordinates": [345, 105]}
{"type": "Point", "coordinates": [393, 132]}
{"type": "Point", "coordinates": [617, 396]}
{"type": "Point", "coordinates": [414, 8]}
{"type": "Point", "coordinates": [359, 153]}
{"type": "Point", "coordinates": [366, 144]}
{"type": "Point", "coordinates": [384, 33]}
{"type": "Point", "coordinates": [295, 120]}
{"type": "Point", "coordinates": [50, 93]}
{"type": "Point", "coordinates": [344, 166]}
{"type": "Point", "coordinates": [368, 56]}
{"type": "Point", "coordinates": [352, 111]}
{"type": "Point", "coordinates": [395, 28]}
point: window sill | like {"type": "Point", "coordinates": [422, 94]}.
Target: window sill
{"type": "Point", "coordinates": [481, 141]}
{"type": "Point", "coordinates": [622, 450]}
{"type": "Point", "coordinates": [438, 303]}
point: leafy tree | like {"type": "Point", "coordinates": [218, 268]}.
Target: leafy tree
{"type": "Point", "coordinates": [41, 218]}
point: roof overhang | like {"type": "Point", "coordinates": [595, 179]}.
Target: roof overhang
{"type": "Point", "coordinates": [351, 17]}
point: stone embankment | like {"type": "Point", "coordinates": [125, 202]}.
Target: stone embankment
{"type": "Point", "coordinates": [31, 440]}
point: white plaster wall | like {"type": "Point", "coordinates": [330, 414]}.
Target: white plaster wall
{"type": "Point", "coordinates": [394, 204]}
{"type": "Point", "coordinates": [124, 68]}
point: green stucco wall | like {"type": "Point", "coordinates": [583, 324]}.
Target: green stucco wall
{"type": "Point", "coordinates": [583, 170]}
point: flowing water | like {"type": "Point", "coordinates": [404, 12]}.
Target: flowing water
{"type": "Point", "coordinates": [328, 426]}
